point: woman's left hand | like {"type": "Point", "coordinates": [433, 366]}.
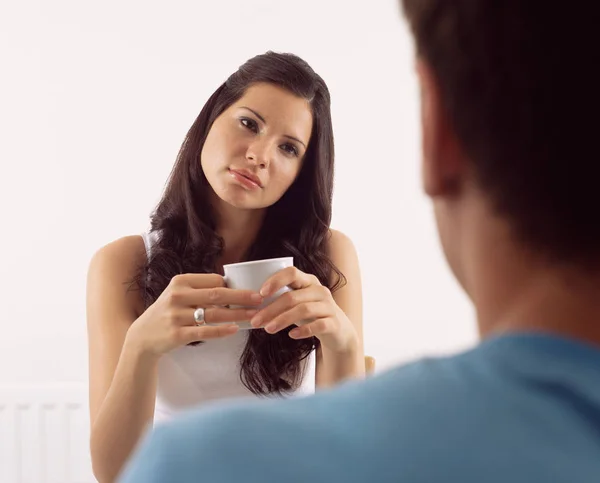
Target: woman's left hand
{"type": "Point", "coordinates": [310, 304]}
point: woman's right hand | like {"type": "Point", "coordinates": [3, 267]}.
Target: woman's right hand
{"type": "Point", "coordinates": [169, 322]}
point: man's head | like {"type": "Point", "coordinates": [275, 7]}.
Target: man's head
{"type": "Point", "coordinates": [509, 115]}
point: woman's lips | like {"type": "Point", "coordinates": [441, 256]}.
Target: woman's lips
{"type": "Point", "coordinates": [244, 180]}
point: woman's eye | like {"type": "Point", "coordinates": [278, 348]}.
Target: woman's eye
{"type": "Point", "coordinates": [249, 124]}
{"type": "Point", "coordinates": [290, 149]}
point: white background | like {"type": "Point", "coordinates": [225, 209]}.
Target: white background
{"type": "Point", "coordinates": [95, 99]}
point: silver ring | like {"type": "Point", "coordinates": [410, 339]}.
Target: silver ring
{"type": "Point", "coordinates": [199, 316]}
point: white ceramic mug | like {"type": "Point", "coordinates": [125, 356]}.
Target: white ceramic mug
{"type": "Point", "coordinates": [251, 276]}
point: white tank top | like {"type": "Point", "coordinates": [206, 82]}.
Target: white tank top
{"type": "Point", "coordinates": [193, 375]}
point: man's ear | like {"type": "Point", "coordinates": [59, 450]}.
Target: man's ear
{"type": "Point", "coordinates": [443, 166]}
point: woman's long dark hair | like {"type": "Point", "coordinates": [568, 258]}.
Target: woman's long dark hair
{"type": "Point", "coordinates": [297, 225]}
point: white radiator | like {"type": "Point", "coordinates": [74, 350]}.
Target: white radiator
{"type": "Point", "coordinates": [44, 434]}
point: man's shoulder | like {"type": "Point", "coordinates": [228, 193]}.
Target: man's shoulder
{"type": "Point", "coordinates": [380, 398]}
{"type": "Point", "coordinates": [460, 412]}
{"type": "Point", "coordinates": [413, 380]}
{"type": "Point", "coordinates": [336, 428]}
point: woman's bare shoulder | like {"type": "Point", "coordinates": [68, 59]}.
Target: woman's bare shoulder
{"type": "Point", "coordinates": [340, 242]}
{"type": "Point", "coordinates": [114, 267]}
{"type": "Point", "coordinates": [124, 252]}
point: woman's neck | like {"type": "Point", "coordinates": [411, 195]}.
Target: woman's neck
{"type": "Point", "coordinates": [238, 228]}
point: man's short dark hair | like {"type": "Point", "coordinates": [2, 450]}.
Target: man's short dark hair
{"type": "Point", "coordinates": [520, 83]}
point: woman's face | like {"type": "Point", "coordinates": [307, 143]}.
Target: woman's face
{"type": "Point", "coordinates": [255, 149]}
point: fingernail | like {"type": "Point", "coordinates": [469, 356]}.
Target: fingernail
{"type": "Point", "coordinates": [256, 322]}
{"type": "Point", "coordinates": [271, 327]}
{"type": "Point", "coordinates": [294, 333]}
{"type": "Point", "coordinates": [255, 297]}
{"type": "Point", "coordinates": [264, 291]}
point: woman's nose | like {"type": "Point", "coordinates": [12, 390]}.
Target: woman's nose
{"type": "Point", "coordinates": [259, 153]}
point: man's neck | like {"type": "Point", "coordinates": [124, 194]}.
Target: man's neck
{"type": "Point", "coordinates": [516, 290]}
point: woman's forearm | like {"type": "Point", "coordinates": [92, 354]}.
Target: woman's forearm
{"type": "Point", "coordinates": [125, 413]}
{"type": "Point", "coordinates": [335, 367]}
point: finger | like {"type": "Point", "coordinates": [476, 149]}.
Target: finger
{"type": "Point", "coordinates": [218, 296]}
{"type": "Point", "coordinates": [291, 277]}
{"type": "Point", "coordinates": [315, 328]}
{"type": "Point", "coordinates": [298, 314]}
{"type": "Point", "coordinates": [195, 334]}
{"type": "Point", "coordinates": [285, 302]}
{"type": "Point", "coordinates": [199, 280]}
{"type": "Point", "coordinates": [219, 315]}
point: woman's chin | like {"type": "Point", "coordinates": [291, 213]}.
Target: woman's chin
{"type": "Point", "coordinates": [240, 200]}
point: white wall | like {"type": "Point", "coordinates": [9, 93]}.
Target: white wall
{"type": "Point", "coordinates": [95, 99]}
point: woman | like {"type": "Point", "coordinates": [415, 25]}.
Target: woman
{"type": "Point", "coordinates": [253, 180]}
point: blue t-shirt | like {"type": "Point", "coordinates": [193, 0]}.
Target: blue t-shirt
{"type": "Point", "coordinates": [516, 409]}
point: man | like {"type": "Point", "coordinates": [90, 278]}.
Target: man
{"type": "Point", "coordinates": [511, 164]}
